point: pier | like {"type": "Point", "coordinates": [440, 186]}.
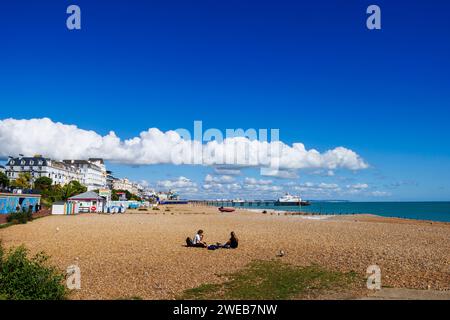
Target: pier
{"type": "Point", "coordinates": [231, 203]}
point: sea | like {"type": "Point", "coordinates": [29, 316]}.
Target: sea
{"type": "Point", "coordinates": [433, 211]}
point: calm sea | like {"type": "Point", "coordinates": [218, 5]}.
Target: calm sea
{"type": "Point", "coordinates": [435, 211]}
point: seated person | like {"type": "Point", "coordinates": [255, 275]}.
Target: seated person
{"type": "Point", "coordinates": [232, 243]}
{"type": "Point", "coordinates": [198, 240]}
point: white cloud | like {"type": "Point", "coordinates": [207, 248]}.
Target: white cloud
{"type": "Point", "coordinates": [143, 183]}
{"type": "Point", "coordinates": [324, 173]}
{"type": "Point", "coordinates": [224, 179]}
{"type": "Point", "coordinates": [227, 171]}
{"type": "Point", "coordinates": [250, 186]}
{"type": "Point", "coordinates": [380, 194]}
{"type": "Point", "coordinates": [262, 188]}
{"type": "Point", "coordinates": [318, 187]}
{"type": "Point", "coordinates": [62, 141]}
{"type": "Point", "coordinates": [358, 186]}
{"type": "Point", "coordinates": [282, 174]}
{"type": "Point", "coordinates": [180, 183]}
{"type": "Point", "coordinates": [222, 187]}
{"type": "Point", "coordinates": [253, 181]}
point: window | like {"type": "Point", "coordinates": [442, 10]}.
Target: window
{"type": "Point", "coordinates": [31, 162]}
{"type": "Point", "coordinates": [22, 162]}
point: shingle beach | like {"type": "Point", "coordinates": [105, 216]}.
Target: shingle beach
{"type": "Point", "coordinates": [143, 254]}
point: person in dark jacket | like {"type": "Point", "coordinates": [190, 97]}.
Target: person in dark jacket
{"type": "Point", "coordinates": [233, 243]}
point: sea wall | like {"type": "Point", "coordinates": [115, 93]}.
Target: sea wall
{"type": "Point", "coordinates": [9, 202]}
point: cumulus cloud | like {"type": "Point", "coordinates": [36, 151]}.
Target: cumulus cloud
{"type": "Point", "coordinates": [253, 181]}
{"type": "Point", "coordinates": [223, 179]}
{"type": "Point", "coordinates": [335, 190]}
{"type": "Point", "coordinates": [318, 187]}
{"type": "Point", "coordinates": [380, 194]}
{"type": "Point", "coordinates": [187, 185]}
{"type": "Point", "coordinates": [227, 184]}
{"type": "Point", "coordinates": [277, 173]}
{"type": "Point", "coordinates": [227, 171]}
{"type": "Point", "coordinates": [324, 173]}
{"type": "Point", "coordinates": [262, 188]}
{"type": "Point", "coordinates": [221, 187]}
{"type": "Point", "coordinates": [358, 186]}
{"type": "Point", "coordinates": [62, 141]}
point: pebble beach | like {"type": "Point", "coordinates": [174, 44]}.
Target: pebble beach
{"type": "Point", "coordinates": [143, 254]}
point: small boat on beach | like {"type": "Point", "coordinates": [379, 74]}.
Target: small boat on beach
{"type": "Point", "coordinates": [222, 209]}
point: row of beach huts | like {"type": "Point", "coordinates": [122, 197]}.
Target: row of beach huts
{"type": "Point", "coordinates": [88, 202]}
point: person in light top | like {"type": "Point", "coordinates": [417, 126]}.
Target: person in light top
{"type": "Point", "coordinates": [198, 239]}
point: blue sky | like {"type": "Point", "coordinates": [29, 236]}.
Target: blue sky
{"type": "Point", "coordinates": [311, 69]}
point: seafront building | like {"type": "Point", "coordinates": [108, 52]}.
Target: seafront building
{"type": "Point", "coordinates": [125, 184]}
{"type": "Point", "coordinates": [110, 180]}
{"type": "Point", "coordinates": [91, 173]}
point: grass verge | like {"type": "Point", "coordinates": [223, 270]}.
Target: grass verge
{"type": "Point", "coordinates": [6, 225]}
{"type": "Point", "coordinates": [274, 280]}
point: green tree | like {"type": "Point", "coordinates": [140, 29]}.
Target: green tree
{"type": "Point", "coordinates": [72, 189]}
{"type": "Point", "coordinates": [43, 183]}
{"type": "Point", "coordinates": [128, 194]}
{"type": "Point", "coordinates": [51, 195]}
{"type": "Point", "coordinates": [23, 181]}
{"type": "Point", "coordinates": [4, 181]}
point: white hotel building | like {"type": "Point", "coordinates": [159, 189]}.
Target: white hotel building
{"type": "Point", "coordinates": [125, 184]}
{"type": "Point", "coordinates": [91, 173]}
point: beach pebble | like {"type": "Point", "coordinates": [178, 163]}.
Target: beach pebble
{"type": "Point", "coordinates": [133, 254]}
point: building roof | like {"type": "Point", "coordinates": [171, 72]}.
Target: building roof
{"type": "Point", "coordinates": [90, 195]}
{"type": "Point", "coordinates": [82, 162]}
{"type": "Point", "coordinates": [100, 160]}
{"type": "Point", "coordinates": [28, 161]}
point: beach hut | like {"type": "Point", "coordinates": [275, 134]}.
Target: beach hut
{"type": "Point", "coordinates": [88, 202]}
{"type": "Point", "coordinates": [64, 208]}
{"type": "Point", "coordinates": [59, 207]}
